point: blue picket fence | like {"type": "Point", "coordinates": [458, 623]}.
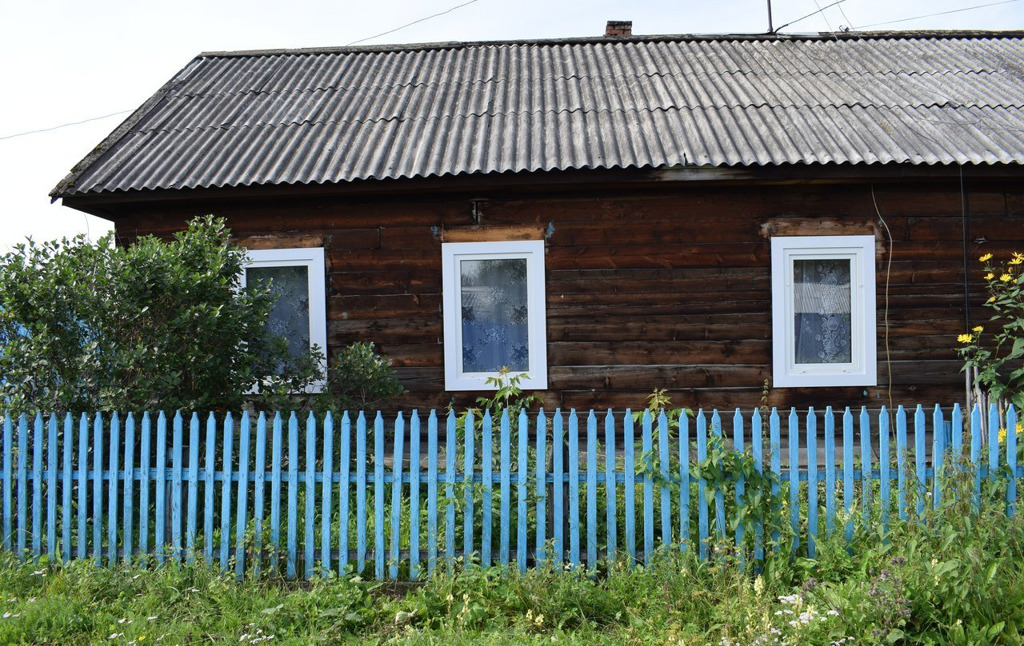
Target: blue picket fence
{"type": "Point", "coordinates": [583, 487]}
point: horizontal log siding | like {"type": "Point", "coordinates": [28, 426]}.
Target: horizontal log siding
{"type": "Point", "coordinates": [648, 288]}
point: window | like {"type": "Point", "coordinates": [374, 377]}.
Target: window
{"type": "Point", "coordinates": [297, 279]}
{"type": "Point", "coordinates": [493, 313]}
{"type": "Point", "coordinates": [823, 311]}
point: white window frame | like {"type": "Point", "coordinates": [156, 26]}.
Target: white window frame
{"type": "Point", "coordinates": [313, 259]}
{"type": "Point", "coordinates": [862, 370]}
{"type": "Point", "coordinates": [452, 253]}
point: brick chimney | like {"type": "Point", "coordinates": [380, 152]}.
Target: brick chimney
{"type": "Point", "coordinates": [616, 28]}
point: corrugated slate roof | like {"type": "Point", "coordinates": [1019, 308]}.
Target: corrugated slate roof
{"type": "Point", "coordinates": [370, 113]}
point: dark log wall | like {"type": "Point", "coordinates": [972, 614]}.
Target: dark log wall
{"type": "Point", "coordinates": [653, 287]}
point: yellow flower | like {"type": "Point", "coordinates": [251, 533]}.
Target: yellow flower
{"type": "Point", "coordinates": [989, 276]}
{"type": "Point", "coordinates": [1016, 260]}
{"type": "Point", "coordinates": [1002, 435]}
{"type": "Point", "coordinates": [1006, 278]}
{"type": "Point", "coordinates": [992, 299]}
{"type": "Point", "coordinates": [986, 257]}
{"type": "Point", "coordinates": [977, 328]}
{"type": "Point", "coordinates": [965, 338]}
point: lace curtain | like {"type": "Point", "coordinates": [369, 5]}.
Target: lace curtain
{"type": "Point", "coordinates": [290, 315]}
{"type": "Point", "coordinates": [822, 310]}
{"type": "Point", "coordinates": [495, 315]}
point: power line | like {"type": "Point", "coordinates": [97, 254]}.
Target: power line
{"type": "Point", "coordinates": [391, 31]}
{"type": "Point", "coordinates": [813, 13]}
{"type": "Point", "coordinates": [938, 13]}
{"type": "Point", "coordinates": [63, 125]}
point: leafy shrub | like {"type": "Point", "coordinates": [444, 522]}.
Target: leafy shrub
{"type": "Point", "coordinates": [105, 327]}
{"type": "Point", "coordinates": [359, 378]}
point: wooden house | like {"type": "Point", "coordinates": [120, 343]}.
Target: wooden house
{"type": "Point", "coordinates": [726, 217]}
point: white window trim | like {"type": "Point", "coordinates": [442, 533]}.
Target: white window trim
{"type": "Point", "coordinates": [860, 251]}
{"type": "Point", "coordinates": [536, 378]}
{"type": "Point", "coordinates": [313, 259]}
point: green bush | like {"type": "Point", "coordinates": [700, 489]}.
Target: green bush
{"type": "Point", "coordinates": [104, 327]}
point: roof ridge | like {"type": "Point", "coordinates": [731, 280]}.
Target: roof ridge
{"type": "Point", "coordinates": [954, 34]}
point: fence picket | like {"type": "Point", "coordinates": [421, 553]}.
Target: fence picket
{"type": "Point", "coordinates": [468, 467]}
{"type": "Point", "coordinates": [848, 471]}
{"type": "Point", "coordinates": [193, 485]}
{"type": "Point", "coordinates": [884, 466]}
{"type": "Point", "coordinates": [97, 490]}
{"type": "Point", "coordinates": [129, 484]}
{"type": "Point", "coordinates": [327, 489]}
{"type": "Point", "coordinates": [775, 456]}
{"type": "Point", "coordinates": [867, 468]}
{"type": "Point", "coordinates": [22, 536]}
{"type": "Point", "coordinates": [361, 492]}
{"type": "Point", "coordinates": [574, 489]}
{"type": "Point", "coordinates": [521, 478]}
{"type": "Point", "coordinates": [830, 467]}
{"type": "Point", "coordinates": [396, 494]}
{"type": "Point", "coordinates": [505, 478]}
{"type": "Point", "coordinates": [8, 484]}
{"type": "Point", "coordinates": [901, 461]}
{"type": "Point", "coordinates": [541, 485]}
{"type": "Point", "coordinates": [610, 486]}
{"type": "Point", "coordinates": [344, 488]}
{"type": "Point", "coordinates": [487, 494]}
{"type": "Point", "coordinates": [716, 430]}
{"type": "Point", "coordinates": [431, 493]}
{"type": "Point", "coordinates": [757, 445]}
{"type": "Point", "coordinates": [449, 456]}
{"type": "Point", "coordinates": [1011, 460]}
{"type": "Point", "coordinates": [145, 471]}
{"type": "Point", "coordinates": [938, 453]}
{"type": "Point", "coordinates": [37, 483]}
{"type": "Point", "coordinates": [69, 434]}
{"type": "Point", "coordinates": [378, 496]}
{"type": "Point", "coordinates": [592, 491]}
{"type": "Point", "coordinates": [663, 458]}
{"type": "Point", "coordinates": [308, 539]}
{"type": "Point", "coordinates": [737, 445]}
{"type": "Point", "coordinates": [976, 431]}
{"type": "Point", "coordinates": [647, 453]}
{"type": "Point", "coordinates": [242, 507]}
{"type": "Point", "coordinates": [51, 488]}
{"type": "Point", "coordinates": [994, 424]}
{"type": "Point", "coordinates": [258, 497]}
{"type": "Point", "coordinates": [558, 474]}
{"type": "Point", "coordinates": [812, 482]}
{"type": "Point", "coordinates": [702, 501]}
{"type": "Point", "coordinates": [414, 496]}
{"type": "Point", "coordinates": [276, 466]}
{"type": "Point", "coordinates": [208, 491]}
{"type": "Point", "coordinates": [794, 477]}
{"type": "Point", "coordinates": [293, 497]}
{"type": "Point", "coordinates": [919, 456]}
{"type": "Point", "coordinates": [160, 519]}
{"type": "Point", "coordinates": [225, 495]}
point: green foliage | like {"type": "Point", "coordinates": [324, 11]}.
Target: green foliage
{"type": "Point", "coordinates": [104, 327]}
{"type": "Point", "coordinates": [659, 401]}
{"type": "Point", "coordinates": [1000, 359]}
{"type": "Point", "coordinates": [358, 378]}
{"type": "Point", "coordinates": [508, 396]}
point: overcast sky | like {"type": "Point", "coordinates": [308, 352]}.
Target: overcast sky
{"type": "Point", "coordinates": [64, 61]}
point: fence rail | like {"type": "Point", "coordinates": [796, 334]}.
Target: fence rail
{"type": "Point", "coordinates": [350, 493]}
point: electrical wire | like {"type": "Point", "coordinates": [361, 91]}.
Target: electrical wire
{"type": "Point", "coordinates": [825, 18]}
{"type": "Point", "coordinates": [63, 125]}
{"type": "Point", "coordinates": [938, 13]}
{"type": "Point", "coordinates": [888, 273]}
{"type": "Point", "coordinates": [813, 13]}
{"type": "Point", "coordinates": [391, 31]}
